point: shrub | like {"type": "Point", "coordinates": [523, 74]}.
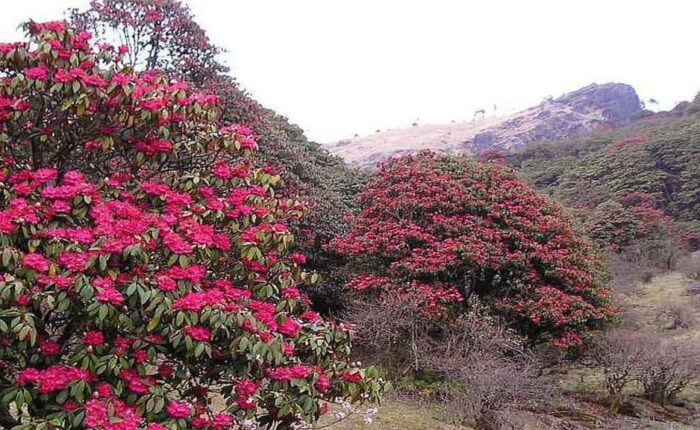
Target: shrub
{"type": "Point", "coordinates": [619, 353]}
{"type": "Point", "coordinates": [435, 230]}
{"type": "Point", "coordinates": [389, 333]}
{"type": "Point", "coordinates": [617, 225]}
{"type": "Point", "coordinates": [667, 367]}
{"type": "Point", "coordinates": [676, 316]}
{"type": "Point", "coordinates": [662, 366]}
{"type": "Point", "coordinates": [689, 265]}
{"type": "Point", "coordinates": [488, 386]}
{"type": "Point", "coordinates": [145, 264]}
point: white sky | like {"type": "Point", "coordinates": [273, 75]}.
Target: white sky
{"type": "Point", "coordinates": [343, 67]}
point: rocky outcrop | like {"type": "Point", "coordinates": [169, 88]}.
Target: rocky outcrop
{"type": "Point", "coordinates": [617, 103]}
{"type": "Point", "coordinates": [574, 114]}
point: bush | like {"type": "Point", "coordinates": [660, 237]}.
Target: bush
{"type": "Point", "coordinates": [472, 365]}
{"type": "Point", "coordinates": [667, 368]}
{"type": "Point", "coordinates": [488, 386]}
{"type": "Point", "coordinates": [436, 230]}
{"type": "Point", "coordinates": [676, 316]}
{"type": "Point", "coordinates": [689, 265]}
{"type": "Point", "coordinates": [619, 353]}
{"type": "Point", "coordinates": [663, 367]}
{"type": "Point", "coordinates": [145, 266]}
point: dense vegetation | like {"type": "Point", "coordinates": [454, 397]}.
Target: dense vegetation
{"type": "Point", "coordinates": [655, 156]}
{"type": "Point", "coordinates": [435, 230]}
{"type": "Point", "coordinates": [160, 229]}
{"type": "Point", "coordinates": [145, 256]}
{"type": "Point", "coordinates": [155, 34]}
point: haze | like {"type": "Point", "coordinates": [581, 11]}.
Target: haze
{"type": "Point", "coordinates": [341, 68]}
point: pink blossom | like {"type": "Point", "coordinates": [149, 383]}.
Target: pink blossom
{"type": "Point", "coordinates": [39, 73]}
{"type": "Point", "coordinates": [94, 338]}
{"type": "Point", "coordinates": [179, 410]}
{"type": "Point", "coordinates": [36, 262]}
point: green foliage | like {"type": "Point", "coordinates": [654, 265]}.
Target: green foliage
{"type": "Point", "coordinates": [658, 156]}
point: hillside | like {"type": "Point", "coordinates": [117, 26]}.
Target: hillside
{"type": "Point", "coordinates": [575, 114]}
{"type": "Point", "coordinates": [657, 155]}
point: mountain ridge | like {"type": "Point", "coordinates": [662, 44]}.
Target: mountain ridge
{"type": "Point", "coordinates": [574, 114]}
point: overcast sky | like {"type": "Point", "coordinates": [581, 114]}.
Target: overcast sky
{"type": "Point", "coordinates": [338, 68]}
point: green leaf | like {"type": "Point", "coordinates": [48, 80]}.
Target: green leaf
{"type": "Point", "coordinates": [153, 323]}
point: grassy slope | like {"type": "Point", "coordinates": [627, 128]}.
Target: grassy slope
{"type": "Point", "coordinates": [395, 415]}
{"type": "Point", "coordinates": [644, 304]}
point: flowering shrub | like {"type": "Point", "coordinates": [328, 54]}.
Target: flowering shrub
{"type": "Point", "coordinates": [435, 230]}
{"type": "Point", "coordinates": [634, 218]}
{"type": "Point", "coordinates": [145, 275]}
{"type": "Point", "coordinates": [158, 35]}
{"type": "Point", "coordinates": [321, 180]}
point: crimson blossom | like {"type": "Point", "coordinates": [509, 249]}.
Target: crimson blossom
{"type": "Point", "coordinates": [437, 230]}
{"type": "Point", "coordinates": [145, 278]}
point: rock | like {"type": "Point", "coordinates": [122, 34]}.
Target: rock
{"type": "Point", "coordinates": [693, 288]}
{"type": "Point", "coordinates": [483, 140]}
{"type": "Point", "coordinates": [618, 102]}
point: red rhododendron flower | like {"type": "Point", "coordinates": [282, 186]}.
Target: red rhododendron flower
{"type": "Point", "coordinates": [49, 347]}
{"type": "Point", "coordinates": [353, 377]}
{"type": "Point", "coordinates": [289, 328]}
{"type": "Point", "coordinates": [197, 332]}
{"type": "Point", "coordinates": [40, 73]}
{"type": "Point", "coordinates": [36, 262]}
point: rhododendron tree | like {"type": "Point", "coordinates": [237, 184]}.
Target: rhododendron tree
{"type": "Point", "coordinates": [308, 171]}
{"type": "Point", "coordinates": [435, 230]}
{"type": "Point", "coordinates": [619, 223]}
{"type": "Point", "coordinates": [154, 35]}
{"type": "Point", "coordinates": [145, 277]}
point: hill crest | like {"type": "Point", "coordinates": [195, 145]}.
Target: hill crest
{"type": "Point", "coordinates": [574, 114]}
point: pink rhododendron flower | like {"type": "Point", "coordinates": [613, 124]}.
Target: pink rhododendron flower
{"type": "Point", "coordinates": [36, 262]}
{"type": "Point", "coordinates": [179, 410]}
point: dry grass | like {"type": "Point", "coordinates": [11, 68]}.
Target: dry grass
{"type": "Point", "coordinates": [662, 292]}
{"type": "Point", "coordinates": [395, 415]}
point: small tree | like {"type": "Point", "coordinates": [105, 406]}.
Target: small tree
{"type": "Point", "coordinates": [667, 368]}
{"type": "Point", "coordinates": [620, 353]}
{"type": "Point", "coordinates": [159, 35]}
{"type": "Point", "coordinates": [435, 230]}
{"type": "Point", "coordinates": [146, 279]}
